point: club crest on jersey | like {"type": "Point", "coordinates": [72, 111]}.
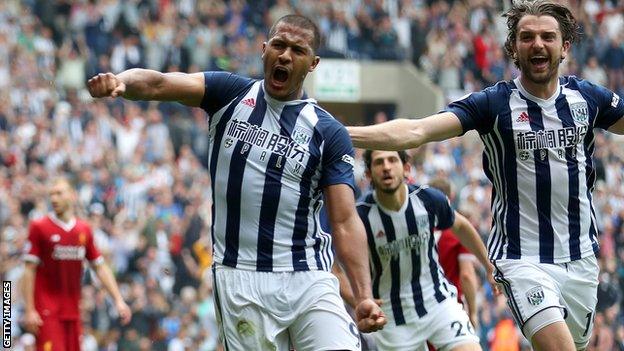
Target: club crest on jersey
{"type": "Point", "coordinates": [535, 295]}
{"type": "Point", "coordinates": [55, 238]}
{"type": "Point", "coordinates": [301, 136]}
{"type": "Point", "coordinates": [82, 239]}
{"type": "Point", "coordinates": [579, 111]}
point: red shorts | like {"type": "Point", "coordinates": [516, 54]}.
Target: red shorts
{"type": "Point", "coordinates": [59, 335]}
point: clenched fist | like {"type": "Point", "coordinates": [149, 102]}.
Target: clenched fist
{"type": "Point", "coordinates": [106, 85]}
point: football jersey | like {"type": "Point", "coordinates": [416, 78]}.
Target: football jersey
{"type": "Point", "coordinates": [269, 162]}
{"type": "Point", "coordinates": [403, 256]}
{"type": "Point", "coordinates": [59, 250]}
{"type": "Point", "coordinates": [538, 156]}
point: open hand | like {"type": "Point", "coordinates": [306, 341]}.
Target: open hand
{"type": "Point", "coordinates": [125, 314]}
{"type": "Point", "coordinates": [32, 321]}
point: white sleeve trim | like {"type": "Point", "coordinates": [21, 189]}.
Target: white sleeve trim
{"type": "Point", "coordinates": [467, 257]}
{"type": "Point", "coordinates": [97, 261]}
{"type": "Point", "coordinates": [32, 258]}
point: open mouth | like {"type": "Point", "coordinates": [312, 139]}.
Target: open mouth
{"type": "Point", "coordinates": [280, 74]}
{"type": "Point", "coordinates": [539, 60]}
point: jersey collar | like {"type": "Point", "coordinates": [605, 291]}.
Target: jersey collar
{"type": "Point", "coordinates": [66, 226]}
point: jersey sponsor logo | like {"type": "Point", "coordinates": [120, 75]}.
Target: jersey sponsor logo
{"type": "Point", "coordinates": [348, 159]}
{"type": "Point", "coordinates": [394, 248]}
{"type": "Point", "coordinates": [535, 296]}
{"type": "Point", "coordinates": [615, 100]}
{"type": "Point", "coordinates": [68, 253]}
{"type": "Point", "coordinates": [550, 138]}
{"type": "Point", "coordinates": [251, 102]}
{"type": "Point", "coordinates": [523, 118]}
{"type": "Point", "coordinates": [580, 112]}
{"type": "Point", "coordinates": [278, 144]}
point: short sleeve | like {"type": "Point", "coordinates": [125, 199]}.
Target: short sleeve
{"type": "Point", "coordinates": [338, 158]}
{"type": "Point", "coordinates": [92, 254]}
{"type": "Point", "coordinates": [439, 204]}
{"type": "Point", "coordinates": [32, 251]}
{"type": "Point", "coordinates": [610, 107]}
{"type": "Point", "coordinates": [220, 88]}
{"type": "Point", "coordinates": [473, 112]}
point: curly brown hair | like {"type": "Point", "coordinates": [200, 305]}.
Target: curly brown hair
{"type": "Point", "coordinates": [570, 30]}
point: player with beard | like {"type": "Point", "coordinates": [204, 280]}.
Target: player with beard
{"type": "Point", "coordinates": [274, 154]}
{"type": "Point", "coordinates": [538, 135]}
{"type": "Point", "coordinates": [400, 220]}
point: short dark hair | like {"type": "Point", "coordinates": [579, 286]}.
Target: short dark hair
{"type": "Point", "coordinates": [368, 157]}
{"type": "Point", "coordinates": [570, 29]}
{"type": "Point", "coordinates": [301, 22]}
{"type": "Point", "coordinates": [441, 184]}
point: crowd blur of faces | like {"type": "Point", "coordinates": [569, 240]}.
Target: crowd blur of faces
{"type": "Point", "coordinates": [140, 168]}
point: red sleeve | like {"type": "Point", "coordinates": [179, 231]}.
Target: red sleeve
{"type": "Point", "coordinates": [463, 249]}
{"type": "Point", "coordinates": [33, 248]}
{"type": "Point", "coordinates": [92, 253]}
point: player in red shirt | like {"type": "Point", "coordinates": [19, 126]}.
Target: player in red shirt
{"type": "Point", "coordinates": [458, 262]}
{"type": "Point", "coordinates": [59, 244]}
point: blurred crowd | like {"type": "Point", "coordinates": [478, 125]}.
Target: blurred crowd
{"type": "Point", "coordinates": [140, 167]}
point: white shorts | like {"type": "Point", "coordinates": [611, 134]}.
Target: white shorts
{"type": "Point", "coordinates": [276, 310]}
{"type": "Point", "coordinates": [533, 287]}
{"type": "Point", "coordinates": [445, 326]}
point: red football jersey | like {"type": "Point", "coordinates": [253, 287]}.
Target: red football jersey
{"type": "Point", "coordinates": [450, 250]}
{"type": "Point", "coordinates": [59, 249]}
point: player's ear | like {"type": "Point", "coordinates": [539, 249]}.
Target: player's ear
{"type": "Point", "coordinates": [264, 45]}
{"type": "Point", "coordinates": [566, 48]}
{"type": "Point", "coordinates": [315, 62]}
{"type": "Point", "coordinates": [407, 167]}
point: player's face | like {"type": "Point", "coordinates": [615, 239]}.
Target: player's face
{"type": "Point", "coordinates": [539, 48]}
{"type": "Point", "coordinates": [288, 57]}
{"type": "Point", "coordinates": [387, 171]}
{"type": "Point", "coordinates": [61, 198]}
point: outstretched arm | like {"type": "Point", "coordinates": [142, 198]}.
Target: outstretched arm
{"type": "Point", "coordinates": [401, 134]}
{"type": "Point", "coordinates": [351, 247]}
{"type": "Point", "coordinates": [469, 237]}
{"type": "Point", "coordinates": [145, 84]}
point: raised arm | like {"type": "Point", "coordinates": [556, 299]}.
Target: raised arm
{"type": "Point", "coordinates": [145, 84]}
{"type": "Point", "coordinates": [401, 134]}
{"type": "Point", "coordinates": [351, 247]}
{"type": "Point", "coordinates": [469, 237]}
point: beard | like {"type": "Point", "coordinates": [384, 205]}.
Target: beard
{"type": "Point", "coordinates": [388, 189]}
{"type": "Point", "coordinates": [542, 77]}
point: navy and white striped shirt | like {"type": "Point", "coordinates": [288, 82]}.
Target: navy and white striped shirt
{"type": "Point", "coordinates": [269, 161]}
{"type": "Point", "coordinates": [538, 156]}
{"type": "Point", "coordinates": [403, 254]}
